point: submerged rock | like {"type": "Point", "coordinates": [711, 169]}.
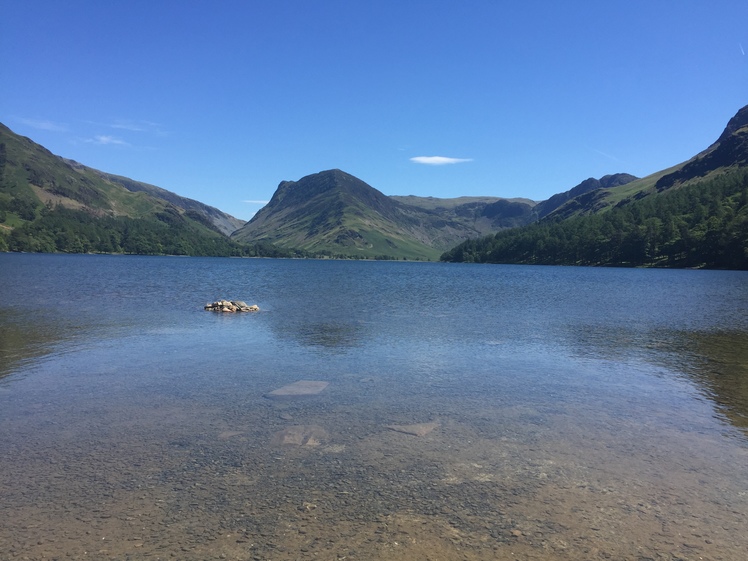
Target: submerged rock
{"type": "Point", "coordinates": [225, 435]}
{"type": "Point", "coordinates": [420, 429]}
{"type": "Point", "coordinates": [231, 306]}
{"type": "Point", "coordinates": [301, 388]}
{"type": "Point", "coordinates": [301, 435]}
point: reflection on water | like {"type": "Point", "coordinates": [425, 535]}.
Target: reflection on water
{"type": "Point", "coordinates": [718, 364]}
{"type": "Point", "coordinates": [328, 334]}
{"type": "Point", "coordinates": [572, 413]}
{"type": "Point", "coordinates": [22, 341]}
{"type": "Point", "coordinates": [715, 361]}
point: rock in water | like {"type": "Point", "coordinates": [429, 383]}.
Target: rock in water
{"type": "Point", "coordinates": [301, 435]}
{"type": "Point", "coordinates": [420, 429]}
{"type": "Point", "coordinates": [231, 306]}
{"type": "Point", "coordinates": [302, 388]}
{"type": "Point", "coordinates": [225, 435]}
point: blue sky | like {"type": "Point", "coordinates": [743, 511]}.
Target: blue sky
{"type": "Point", "coordinates": [220, 101]}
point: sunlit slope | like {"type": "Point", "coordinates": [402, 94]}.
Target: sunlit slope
{"type": "Point", "coordinates": [694, 214]}
{"type": "Point", "coordinates": [336, 213]}
{"type": "Point", "coordinates": [728, 153]}
{"type": "Point", "coordinates": [32, 174]}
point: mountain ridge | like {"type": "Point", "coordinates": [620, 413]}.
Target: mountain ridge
{"type": "Point", "coordinates": [694, 214]}
{"type": "Point", "coordinates": [335, 213]}
{"type": "Point", "coordinates": [729, 150]}
{"type": "Point", "coordinates": [550, 205]}
{"type": "Point", "coordinates": [74, 185]}
{"type": "Point", "coordinates": [332, 211]}
{"type": "Point", "coordinates": [53, 204]}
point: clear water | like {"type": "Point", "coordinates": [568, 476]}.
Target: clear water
{"type": "Point", "coordinates": [575, 413]}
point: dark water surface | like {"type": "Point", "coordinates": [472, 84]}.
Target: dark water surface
{"type": "Point", "coordinates": [568, 413]}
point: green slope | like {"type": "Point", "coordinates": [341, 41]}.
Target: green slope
{"type": "Point", "coordinates": [335, 213]}
{"type": "Point", "coordinates": [728, 153]}
{"type": "Point", "coordinates": [51, 204]}
{"type": "Point", "coordinates": [32, 172]}
{"type": "Point", "coordinates": [694, 214]}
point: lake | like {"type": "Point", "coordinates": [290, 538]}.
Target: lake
{"type": "Point", "coordinates": [472, 412]}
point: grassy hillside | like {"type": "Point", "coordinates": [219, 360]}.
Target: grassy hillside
{"type": "Point", "coordinates": [590, 195]}
{"type": "Point", "coordinates": [50, 204]}
{"type": "Point", "coordinates": [32, 173]}
{"type": "Point", "coordinates": [703, 224]}
{"type": "Point", "coordinates": [334, 213]}
{"type": "Point", "coordinates": [729, 152]}
{"type": "Point", "coordinates": [694, 214]}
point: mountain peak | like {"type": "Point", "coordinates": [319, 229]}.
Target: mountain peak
{"type": "Point", "coordinates": [730, 150]}
{"type": "Point", "coordinates": [317, 184]}
{"type": "Point", "coordinates": [327, 211]}
{"type": "Point", "coordinates": [544, 208]}
{"type": "Point", "coordinates": [739, 121]}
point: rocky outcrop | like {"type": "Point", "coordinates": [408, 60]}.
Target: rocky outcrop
{"type": "Point", "coordinates": [231, 306]}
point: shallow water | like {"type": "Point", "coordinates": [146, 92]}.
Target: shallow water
{"type": "Point", "coordinates": [579, 413]}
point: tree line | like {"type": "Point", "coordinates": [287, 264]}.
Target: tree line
{"type": "Point", "coordinates": [67, 230]}
{"type": "Point", "coordinates": [699, 225]}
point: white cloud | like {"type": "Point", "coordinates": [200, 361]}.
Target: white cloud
{"type": "Point", "coordinates": [132, 125]}
{"type": "Point", "coordinates": [43, 124]}
{"type": "Point", "coordinates": [128, 126]}
{"type": "Point", "coordinates": [438, 160]}
{"type": "Point", "coordinates": [138, 126]}
{"type": "Point", "coordinates": [104, 139]}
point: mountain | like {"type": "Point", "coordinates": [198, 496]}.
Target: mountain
{"type": "Point", "coordinates": [544, 208]}
{"type": "Point", "coordinates": [224, 223]}
{"type": "Point", "coordinates": [729, 151]}
{"type": "Point", "coordinates": [49, 203]}
{"type": "Point", "coordinates": [32, 172]}
{"type": "Point", "coordinates": [483, 214]}
{"type": "Point", "coordinates": [334, 213]}
{"type": "Point", "coordinates": [694, 214]}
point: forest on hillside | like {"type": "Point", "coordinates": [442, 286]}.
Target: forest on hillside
{"type": "Point", "coordinates": [59, 229]}
{"type": "Point", "coordinates": [699, 225]}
